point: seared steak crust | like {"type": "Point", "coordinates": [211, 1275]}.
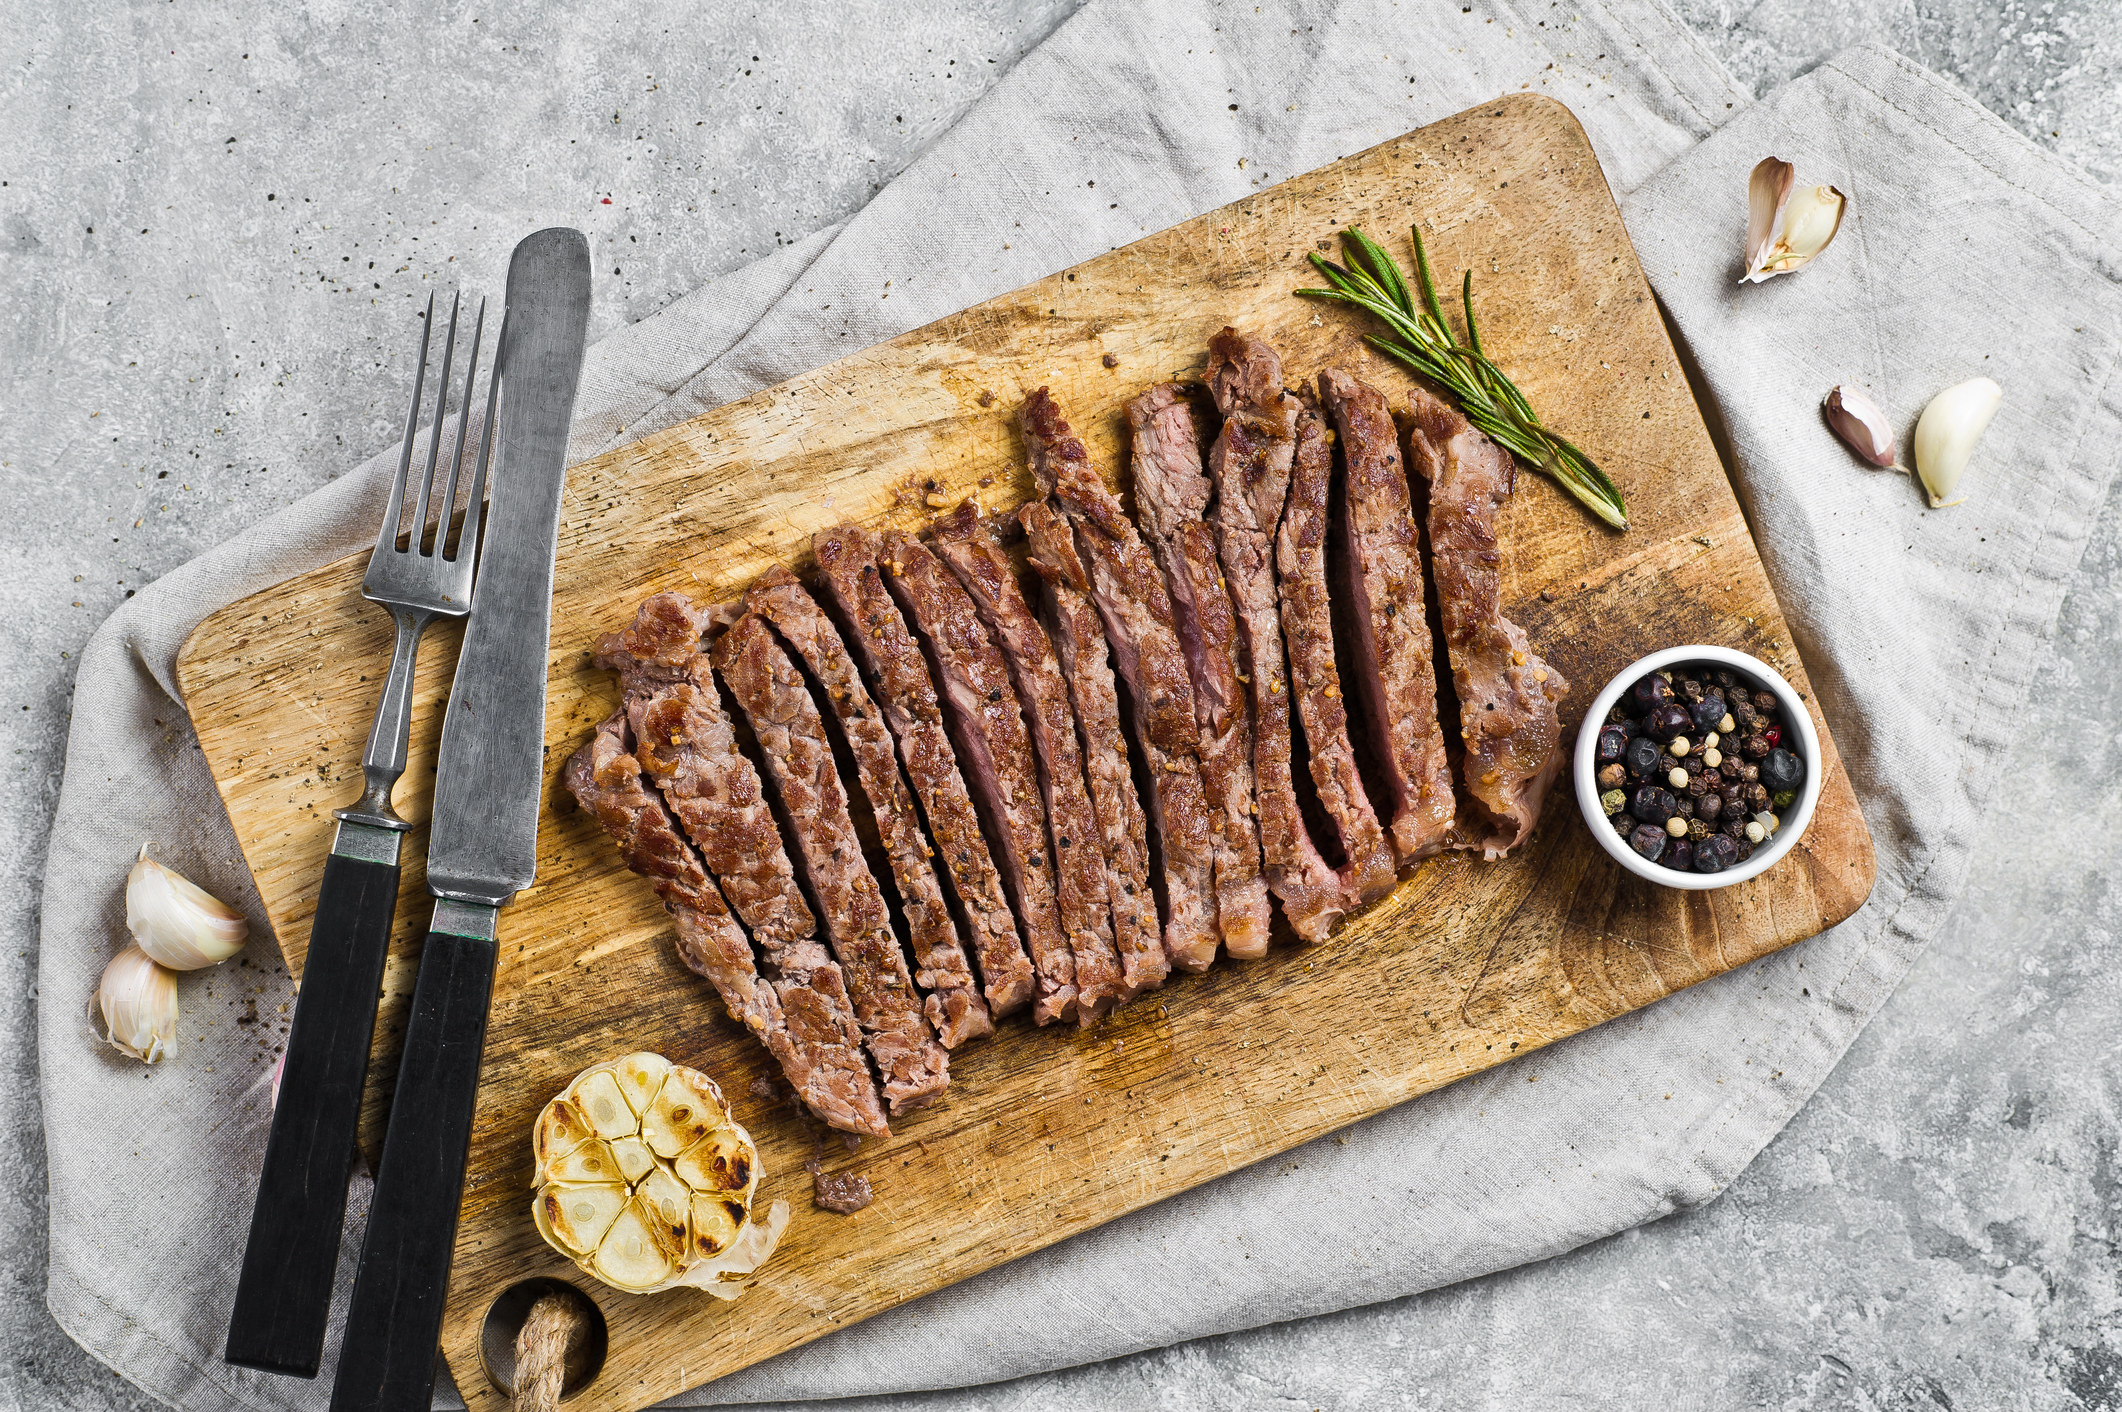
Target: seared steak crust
{"type": "Point", "coordinates": [1086, 665]}
{"type": "Point", "coordinates": [1395, 676]}
{"type": "Point", "coordinates": [903, 691]}
{"type": "Point", "coordinates": [1135, 607]}
{"type": "Point", "coordinates": [1366, 871]}
{"type": "Point", "coordinates": [1251, 462]}
{"type": "Point", "coordinates": [1507, 695]}
{"type": "Point", "coordinates": [996, 752]}
{"type": "Point", "coordinates": [953, 1002]}
{"type": "Point", "coordinates": [1172, 500]}
{"type": "Point", "coordinates": [821, 1063]}
{"type": "Point", "coordinates": [770, 690]}
{"type": "Point", "coordinates": [967, 544]}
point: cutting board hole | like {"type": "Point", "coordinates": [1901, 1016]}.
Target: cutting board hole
{"type": "Point", "coordinates": [584, 1358]}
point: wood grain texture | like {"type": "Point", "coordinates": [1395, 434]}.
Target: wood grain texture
{"type": "Point", "coordinates": [1047, 1133]}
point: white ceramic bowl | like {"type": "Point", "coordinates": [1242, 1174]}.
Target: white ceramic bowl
{"type": "Point", "coordinates": [1794, 819]}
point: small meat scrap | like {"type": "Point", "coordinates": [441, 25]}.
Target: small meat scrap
{"type": "Point", "coordinates": [1251, 462]}
{"type": "Point", "coordinates": [966, 542]}
{"type": "Point", "coordinates": [771, 692]}
{"type": "Point", "coordinates": [994, 749]}
{"type": "Point", "coordinates": [953, 1005]}
{"type": "Point", "coordinates": [687, 749]}
{"type": "Point", "coordinates": [1508, 696]}
{"type": "Point", "coordinates": [877, 637]}
{"type": "Point", "coordinates": [1086, 664]}
{"type": "Point", "coordinates": [842, 1193]}
{"type": "Point", "coordinates": [1135, 607]}
{"type": "Point", "coordinates": [1394, 676]}
{"type": "Point", "coordinates": [1366, 872]}
{"type": "Point", "coordinates": [1172, 502]}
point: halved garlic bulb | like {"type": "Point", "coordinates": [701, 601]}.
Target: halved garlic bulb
{"type": "Point", "coordinates": [179, 924]}
{"type": "Point", "coordinates": [645, 1180]}
{"type": "Point", "coordinates": [137, 1001]}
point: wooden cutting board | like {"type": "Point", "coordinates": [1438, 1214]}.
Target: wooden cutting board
{"type": "Point", "coordinates": [1046, 1133]}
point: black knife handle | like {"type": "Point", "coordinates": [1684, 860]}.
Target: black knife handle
{"type": "Point", "coordinates": [387, 1357]}
{"type": "Point", "coordinates": [284, 1296]}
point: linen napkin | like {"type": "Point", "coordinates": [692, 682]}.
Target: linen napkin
{"type": "Point", "coordinates": [1135, 97]}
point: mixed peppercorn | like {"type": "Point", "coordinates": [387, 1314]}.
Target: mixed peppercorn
{"type": "Point", "coordinates": [1694, 766]}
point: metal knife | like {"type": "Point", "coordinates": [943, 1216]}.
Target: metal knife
{"type": "Point", "coordinates": [482, 841]}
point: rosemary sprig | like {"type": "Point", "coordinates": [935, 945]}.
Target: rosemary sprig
{"type": "Point", "coordinates": [1425, 342]}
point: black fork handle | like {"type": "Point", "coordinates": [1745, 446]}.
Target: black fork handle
{"type": "Point", "coordinates": [393, 1326]}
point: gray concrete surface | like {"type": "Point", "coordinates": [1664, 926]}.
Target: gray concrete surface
{"type": "Point", "coordinates": [201, 206]}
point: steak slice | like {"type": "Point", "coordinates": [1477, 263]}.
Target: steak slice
{"type": "Point", "coordinates": [1251, 462]}
{"type": "Point", "coordinates": [967, 544]}
{"type": "Point", "coordinates": [1366, 870]}
{"type": "Point", "coordinates": [770, 690]}
{"type": "Point", "coordinates": [688, 750]}
{"type": "Point", "coordinates": [953, 1005]}
{"type": "Point", "coordinates": [1172, 503]}
{"type": "Point", "coordinates": [823, 1064]}
{"type": "Point", "coordinates": [1086, 665]}
{"type": "Point", "coordinates": [877, 639]}
{"type": "Point", "coordinates": [987, 725]}
{"type": "Point", "coordinates": [1394, 675]}
{"type": "Point", "coordinates": [1507, 695]}
{"type": "Point", "coordinates": [1136, 609]}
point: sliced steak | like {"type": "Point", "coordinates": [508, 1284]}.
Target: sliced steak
{"type": "Point", "coordinates": [1086, 665]}
{"type": "Point", "coordinates": [770, 690]}
{"type": "Point", "coordinates": [1393, 675]}
{"type": "Point", "coordinates": [953, 1003]}
{"type": "Point", "coordinates": [1251, 462]}
{"type": "Point", "coordinates": [877, 638]}
{"type": "Point", "coordinates": [1135, 608]}
{"type": "Point", "coordinates": [967, 544]}
{"type": "Point", "coordinates": [1366, 871]}
{"type": "Point", "coordinates": [822, 1064]}
{"type": "Point", "coordinates": [1507, 695]}
{"type": "Point", "coordinates": [1172, 504]}
{"type": "Point", "coordinates": [995, 751]}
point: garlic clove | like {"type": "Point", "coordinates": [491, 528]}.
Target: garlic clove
{"type": "Point", "coordinates": [687, 1108]}
{"type": "Point", "coordinates": [137, 1000]}
{"type": "Point", "coordinates": [1786, 224]}
{"type": "Point", "coordinates": [723, 1275]}
{"type": "Point", "coordinates": [1947, 431]}
{"type": "Point", "coordinates": [177, 923]}
{"type": "Point", "coordinates": [1858, 421]}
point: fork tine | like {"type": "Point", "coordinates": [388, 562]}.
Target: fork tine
{"type": "Point", "coordinates": [456, 455]}
{"type": "Point", "coordinates": [387, 537]}
{"type": "Point", "coordinates": [434, 439]}
{"type": "Point", "coordinates": [472, 512]}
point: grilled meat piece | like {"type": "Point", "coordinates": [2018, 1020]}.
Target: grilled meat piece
{"type": "Point", "coordinates": [1132, 602]}
{"type": "Point", "coordinates": [987, 726]}
{"type": "Point", "coordinates": [770, 690]}
{"type": "Point", "coordinates": [953, 1002]}
{"type": "Point", "coordinates": [967, 544]}
{"type": "Point", "coordinates": [1086, 665]}
{"type": "Point", "coordinates": [1507, 696]}
{"type": "Point", "coordinates": [1366, 870]}
{"type": "Point", "coordinates": [1171, 502]}
{"type": "Point", "coordinates": [784, 1014]}
{"type": "Point", "coordinates": [1251, 462]}
{"type": "Point", "coordinates": [1393, 675]}
{"type": "Point", "coordinates": [876, 637]}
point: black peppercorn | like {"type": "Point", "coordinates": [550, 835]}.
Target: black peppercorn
{"type": "Point", "coordinates": [1745, 849]}
{"type": "Point", "coordinates": [1681, 855]}
{"type": "Point", "coordinates": [1742, 711]}
{"type": "Point", "coordinates": [1734, 827]}
{"type": "Point", "coordinates": [1698, 786]}
{"type": "Point", "coordinates": [1722, 677]}
{"type": "Point", "coordinates": [1763, 701]}
{"type": "Point", "coordinates": [1697, 830]}
{"type": "Point", "coordinates": [1648, 840]}
{"type": "Point", "coordinates": [1653, 804]}
{"type": "Point", "coordinates": [1709, 806]}
{"type": "Point", "coordinates": [1749, 773]}
{"type": "Point", "coordinates": [1683, 808]}
{"type": "Point", "coordinates": [1732, 794]}
{"type": "Point", "coordinates": [1617, 715]}
{"type": "Point", "coordinates": [1757, 796]}
{"type": "Point", "coordinates": [1691, 689]}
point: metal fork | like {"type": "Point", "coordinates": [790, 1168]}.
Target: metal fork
{"type": "Point", "coordinates": [283, 1298]}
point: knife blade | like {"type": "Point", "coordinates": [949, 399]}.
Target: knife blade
{"type": "Point", "coordinates": [483, 835]}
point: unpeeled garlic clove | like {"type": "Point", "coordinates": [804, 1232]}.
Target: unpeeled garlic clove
{"type": "Point", "coordinates": [1786, 224]}
{"type": "Point", "coordinates": [1946, 434]}
{"type": "Point", "coordinates": [177, 923]}
{"type": "Point", "coordinates": [137, 1001]}
{"type": "Point", "coordinates": [1858, 421]}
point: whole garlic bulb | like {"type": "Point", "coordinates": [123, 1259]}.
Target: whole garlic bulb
{"type": "Point", "coordinates": [177, 923]}
{"type": "Point", "coordinates": [137, 1000]}
{"type": "Point", "coordinates": [1947, 431]}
